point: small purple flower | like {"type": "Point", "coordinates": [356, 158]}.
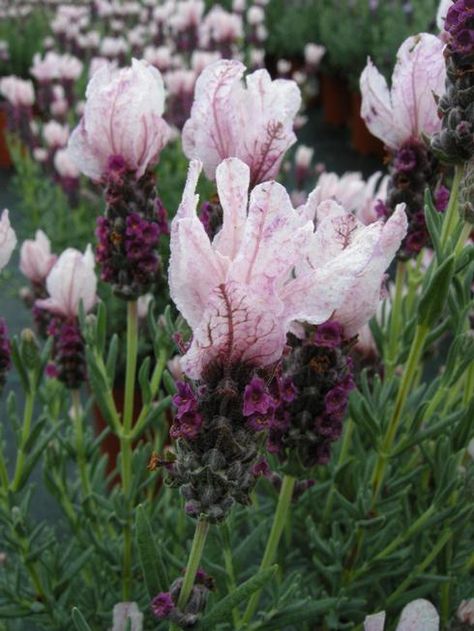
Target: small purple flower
{"type": "Point", "coordinates": [185, 399]}
{"type": "Point", "coordinates": [162, 605]}
{"type": "Point", "coordinates": [329, 334]}
{"type": "Point", "coordinates": [258, 422]}
{"type": "Point", "coordinates": [187, 426]}
{"type": "Point", "coordinates": [381, 209]}
{"type": "Point", "coordinates": [415, 241]}
{"type": "Point", "coordinates": [287, 389]}
{"type": "Point", "coordinates": [261, 468]}
{"type": "Point", "coordinates": [405, 159]}
{"type": "Point", "coordinates": [257, 399]}
{"type": "Point", "coordinates": [336, 400]}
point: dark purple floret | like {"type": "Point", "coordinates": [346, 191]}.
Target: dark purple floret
{"type": "Point", "coordinates": [328, 334]}
{"type": "Point", "coordinates": [257, 399]}
{"type": "Point", "coordinates": [303, 428]}
{"type": "Point", "coordinates": [442, 198]}
{"type": "Point", "coordinates": [129, 233]}
{"type": "Point", "coordinates": [68, 352]}
{"type": "Point", "coordinates": [162, 605]}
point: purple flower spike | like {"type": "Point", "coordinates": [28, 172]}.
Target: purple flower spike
{"type": "Point", "coordinates": [329, 334]}
{"type": "Point", "coordinates": [162, 605]}
{"type": "Point", "coordinates": [257, 400]}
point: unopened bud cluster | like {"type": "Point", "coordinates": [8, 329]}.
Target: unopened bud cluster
{"type": "Point", "coordinates": [412, 170]}
{"type": "Point", "coordinates": [455, 142]}
{"type": "Point", "coordinates": [164, 604]}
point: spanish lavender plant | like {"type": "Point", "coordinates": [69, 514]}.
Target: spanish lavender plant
{"type": "Point", "coordinates": [401, 118]}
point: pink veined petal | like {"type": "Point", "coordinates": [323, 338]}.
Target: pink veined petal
{"type": "Point", "coordinates": [195, 269]}
{"type": "Point", "coordinates": [71, 280]}
{"type": "Point", "coordinates": [237, 326]}
{"type": "Point", "coordinates": [360, 302]}
{"type": "Point", "coordinates": [307, 211]}
{"type": "Point", "coordinates": [232, 178]}
{"type": "Point", "coordinates": [87, 280]}
{"type": "Point", "coordinates": [267, 111]}
{"type": "Point", "coordinates": [375, 622]}
{"type": "Point", "coordinates": [211, 132]}
{"type": "Point", "coordinates": [335, 231]}
{"type": "Point", "coordinates": [274, 238]}
{"type": "Point", "coordinates": [377, 109]}
{"type": "Point", "coordinates": [82, 154]}
{"type": "Point", "coordinates": [189, 199]}
{"type": "Point", "coordinates": [314, 296]}
{"type": "Point", "coordinates": [419, 615]}
{"type": "Point", "coordinates": [419, 74]}
{"type": "Point", "coordinates": [345, 285]}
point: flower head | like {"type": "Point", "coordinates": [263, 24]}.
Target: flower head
{"type": "Point", "coordinates": [253, 123]}
{"type": "Point", "coordinates": [18, 92]}
{"type": "Point", "coordinates": [409, 109]}
{"type": "Point", "coordinates": [36, 259]}
{"type": "Point", "coordinates": [268, 267]}
{"type": "Point", "coordinates": [71, 280]}
{"type": "Point", "coordinates": [122, 120]}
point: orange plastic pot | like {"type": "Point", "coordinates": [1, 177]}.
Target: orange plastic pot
{"type": "Point", "coordinates": [361, 139]}
{"type": "Point", "coordinates": [5, 159]}
{"type": "Point", "coordinates": [335, 98]}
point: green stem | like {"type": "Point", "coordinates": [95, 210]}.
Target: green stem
{"type": "Point", "coordinates": [126, 444]}
{"type": "Point", "coordinates": [131, 370]}
{"type": "Point", "coordinates": [79, 430]}
{"type": "Point", "coordinates": [395, 319]}
{"type": "Point", "coordinates": [452, 210]}
{"type": "Point", "coordinates": [25, 434]}
{"type": "Point", "coordinates": [279, 520]}
{"type": "Point", "coordinates": [229, 567]}
{"type": "Point", "coordinates": [406, 384]}
{"type": "Point", "coordinates": [346, 442]}
{"type": "Point", "coordinates": [197, 548]}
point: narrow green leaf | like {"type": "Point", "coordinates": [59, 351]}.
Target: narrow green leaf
{"type": "Point", "coordinates": [150, 557]}
{"type": "Point", "coordinates": [223, 609]}
{"type": "Point", "coordinates": [144, 381]}
{"type": "Point", "coordinates": [79, 620]}
{"type": "Point", "coordinates": [168, 382]}
{"type": "Point", "coordinates": [298, 614]}
{"type": "Point", "coordinates": [434, 297]}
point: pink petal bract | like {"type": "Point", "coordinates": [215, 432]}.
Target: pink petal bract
{"type": "Point", "coordinates": [409, 109]}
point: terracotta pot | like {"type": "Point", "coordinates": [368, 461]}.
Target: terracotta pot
{"type": "Point", "coordinates": [335, 97]}
{"type": "Point", "coordinates": [5, 159]}
{"type": "Point", "coordinates": [361, 138]}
